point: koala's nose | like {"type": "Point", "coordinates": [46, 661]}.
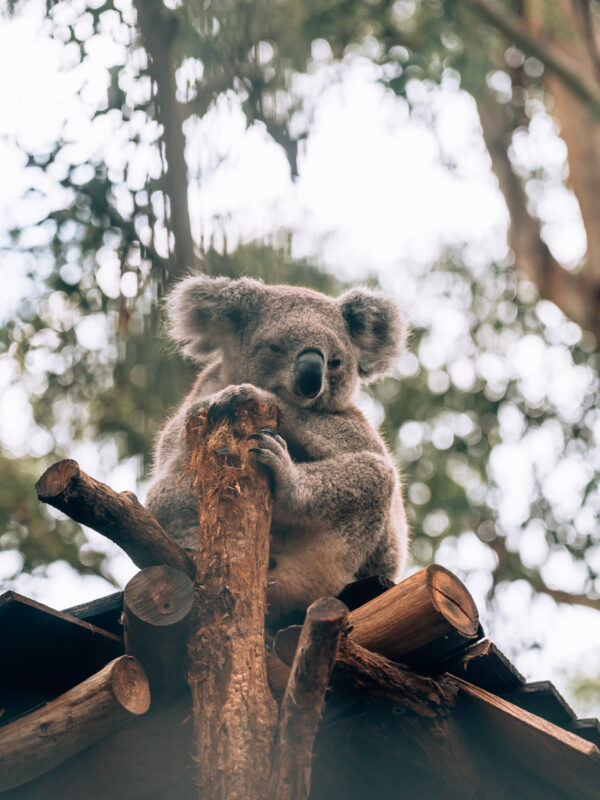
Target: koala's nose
{"type": "Point", "coordinates": [308, 373]}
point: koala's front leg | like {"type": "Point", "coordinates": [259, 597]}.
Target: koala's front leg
{"type": "Point", "coordinates": [347, 490]}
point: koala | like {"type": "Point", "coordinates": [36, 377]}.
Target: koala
{"type": "Point", "coordinates": [338, 513]}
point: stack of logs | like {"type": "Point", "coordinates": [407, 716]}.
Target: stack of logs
{"type": "Point", "coordinates": [256, 710]}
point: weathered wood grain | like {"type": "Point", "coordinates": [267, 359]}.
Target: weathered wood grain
{"type": "Point", "coordinates": [157, 612]}
{"type": "Point", "coordinates": [117, 515]}
{"type": "Point", "coordinates": [234, 711]}
{"type": "Point", "coordinates": [303, 700]}
{"type": "Point", "coordinates": [33, 744]}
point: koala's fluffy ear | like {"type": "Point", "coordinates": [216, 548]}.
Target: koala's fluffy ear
{"type": "Point", "coordinates": [377, 327]}
{"type": "Point", "coordinates": [202, 310]}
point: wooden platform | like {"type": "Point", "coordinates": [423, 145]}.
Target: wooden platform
{"type": "Point", "coordinates": [505, 739]}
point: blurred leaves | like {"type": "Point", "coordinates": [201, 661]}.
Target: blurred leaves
{"type": "Point", "coordinates": [86, 343]}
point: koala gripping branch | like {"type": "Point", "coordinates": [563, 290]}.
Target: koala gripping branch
{"type": "Point", "coordinates": [234, 712]}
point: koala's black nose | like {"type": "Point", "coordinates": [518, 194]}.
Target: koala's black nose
{"type": "Point", "coordinates": [308, 373]}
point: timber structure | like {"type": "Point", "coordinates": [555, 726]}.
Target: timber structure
{"type": "Point", "coordinates": [167, 691]}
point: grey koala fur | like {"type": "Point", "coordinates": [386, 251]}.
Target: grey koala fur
{"type": "Point", "coordinates": [338, 513]}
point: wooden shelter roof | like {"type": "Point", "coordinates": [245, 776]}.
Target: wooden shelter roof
{"type": "Point", "coordinates": [508, 738]}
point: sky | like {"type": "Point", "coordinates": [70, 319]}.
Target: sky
{"type": "Point", "coordinates": [374, 197]}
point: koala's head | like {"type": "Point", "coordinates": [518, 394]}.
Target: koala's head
{"type": "Point", "coordinates": [303, 346]}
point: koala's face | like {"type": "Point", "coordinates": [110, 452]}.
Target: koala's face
{"type": "Point", "coordinates": [298, 347]}
{"type": "Point", "coordinates": [301, 345]}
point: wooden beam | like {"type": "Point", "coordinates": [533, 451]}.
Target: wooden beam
{"type": "Point", "coordinates": [484, 665]}
{"type": "Point", "coordinates": [234, 711]}
{"type": "Point", "coordinates": [374, 676]}
{"type": "Point", "coordinates": [44, 738]}
{"type": "Point", "coordinates": [117, 515]}
{"type": "Point", "coordinates": [567, 762]}
{"type": "Point", "coordinates": [420, 621]}
{"type": "Point", "coordinates": [303, 699]}
{"type": "Point", "coordinates": [29, 632]}
{"type": "Point", "coordinates": [157, 611]}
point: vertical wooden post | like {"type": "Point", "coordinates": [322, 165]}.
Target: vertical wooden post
{"type": "Point", "coordinates": [304, 698]}
{"type": "Point", "coordinates": [157, 609]}
{"type": "Point", "coordinates": [234, 711]}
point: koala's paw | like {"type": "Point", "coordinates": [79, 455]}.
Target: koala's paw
{"type": "Point", "coordinates": [228, 400]}
{"type": "Point", "coordinates": [271, 450]}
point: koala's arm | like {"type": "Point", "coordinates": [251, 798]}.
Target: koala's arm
{"type": "Point", "coordinates": [342, 475]}
{"type": "Point", "coordinates": [339, 511]}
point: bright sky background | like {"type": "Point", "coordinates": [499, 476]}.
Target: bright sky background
{"type": "Point", "coordinates": [373, 197]}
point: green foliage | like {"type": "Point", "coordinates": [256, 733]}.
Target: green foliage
{"type": "Point", "coordinates": [86, 341]}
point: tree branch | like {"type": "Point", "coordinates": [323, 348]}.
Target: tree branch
{"type": "Point", "coordinates": [304, 697]}
{"type": "Point", "coordinates": [511, 564]}
{"type": "Point", "coordinates": [158, 28]}
{"type": "Point", "coordinates": [117, 515]}
{"type": "Point", "coordinates": [574, 293]}
{"type": "Point", "coordinates": [553, 58]}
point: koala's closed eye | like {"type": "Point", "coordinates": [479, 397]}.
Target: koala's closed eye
{"type": "Point", "coordinates": [335, 363]}
{"type": "Point", "coordinates": [271, 347]}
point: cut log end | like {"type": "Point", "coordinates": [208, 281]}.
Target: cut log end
{"type": "Point", "coordinates": [56, 479]}
{"type": "Point", "coordinates": [453, 600]}
{"type": "Point", "coordinates": [160, 596]}
{"type": "Point", "coordinates": [130, 685]}
{"type": "Point", "coordinates": [327, 609]}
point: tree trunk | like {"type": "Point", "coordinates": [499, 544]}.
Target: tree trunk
{"type": "Point", "coordinates": [158, 27]}
{"type": "Point", "coordinates": [579, 122]}
{"type": "Point", "coordinates": [561, 36]}
{"type": "Point", "coordinates": [234, 711]}
{"type": "Point", "coordinates": [571, 292]}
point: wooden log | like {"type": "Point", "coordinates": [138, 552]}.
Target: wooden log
{"type": "Point", "coordinates": [117, 515]}
{"type": "Point", "coordinates": [157, 611]}
{"type": "Point", "coordinates": [420, 621]}
{"type": "Point", "coordinates": [303, 699]}
{"type": "Point", "coordinates": [234, 711]}
{"type": "Point", "coordinates": [377, 677]}
{"type": "Point", "coordinates": [33, 744]}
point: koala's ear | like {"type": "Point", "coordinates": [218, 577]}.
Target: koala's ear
{"type": "Point", "coordinates": [377, 327]}
{"type": "Point", "coordinates": [202, 310]}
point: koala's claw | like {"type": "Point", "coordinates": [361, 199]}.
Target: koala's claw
{"type": "Point", "coordinates": [266, 435]}
{"type": "Point", "coordinates": [272, 453]}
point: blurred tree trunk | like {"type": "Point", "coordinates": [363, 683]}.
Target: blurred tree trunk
{"type": "Point", "coordinates": [569, 291]}
{"type": "Point", "coordinates": [158, 28]}
{"type": "Point", "coordinates": [561, 35]}
{"type": "Point", "coordinates": [579, 121]}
